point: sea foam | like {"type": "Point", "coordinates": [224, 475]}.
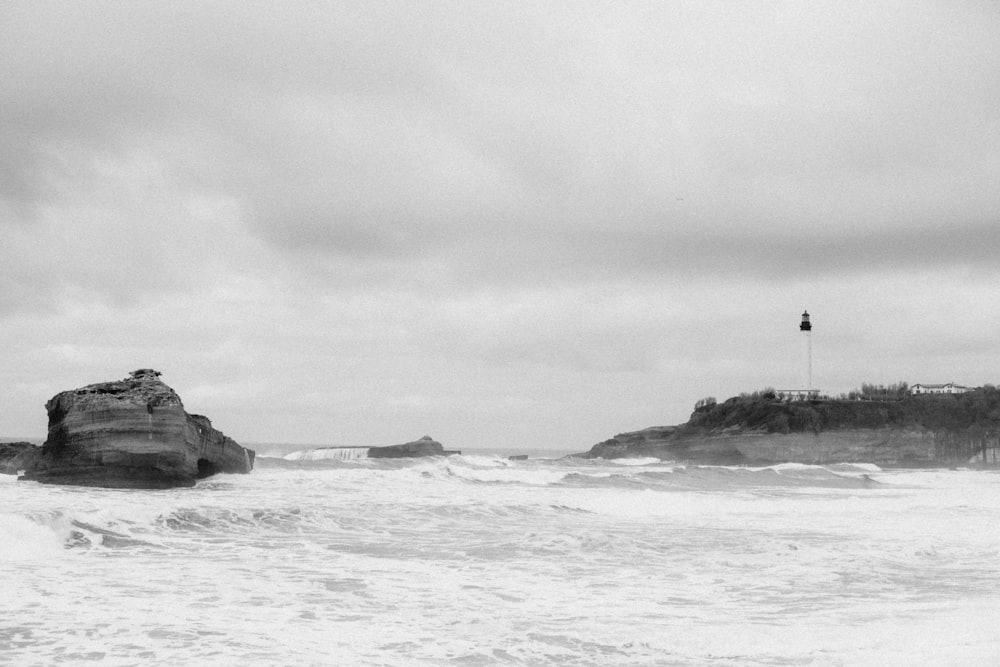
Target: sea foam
{"type": "Point", "coordinates": [329, 454]}
{"type": "Point", "coordinates": [481, 560]}
{"type": "Point", "coordinates": [28, 540]}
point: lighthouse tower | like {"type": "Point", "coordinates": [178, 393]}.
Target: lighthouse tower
{"type": "Point", "coordinates": [805, 329]}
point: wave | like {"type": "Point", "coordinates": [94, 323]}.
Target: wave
{"type": "Point", "coordinates": [484, 460]}
{"type": "Point", "coordinates": [38, 536]}
{"type": "Point", "coordinates": [508, 475]}
{"type": "Point", "coordinates": [623, 473]}
{"type": "Point", "coordinates": [328, 454]}
{"type": "Point", "coordinates": [855, 467]}
{"type": "Point", "coordinates": [723, 478]}
{"type": "Point", "coordinates": [358, 499]}
{"type": "Point", "coordinates": [635, 462]}
{"type": "Point", "coordinates": [28, 540]}
{"type": "Point", "coordinates": [643, 474]}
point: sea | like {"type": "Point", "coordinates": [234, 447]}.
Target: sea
{"type": "Point", "coordinates": [329, 558]}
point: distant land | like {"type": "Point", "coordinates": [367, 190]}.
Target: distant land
{"type": "Point", "coordinates": [887, 426]}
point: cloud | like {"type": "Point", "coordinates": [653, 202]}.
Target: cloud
{"type": "Point", "coordinates": [516, 193]}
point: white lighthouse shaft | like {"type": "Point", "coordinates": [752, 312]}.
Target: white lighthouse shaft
{"type": "Point", "coordinates": [805, 330]}
{"type": "Point", "coordinates": [808, 361]}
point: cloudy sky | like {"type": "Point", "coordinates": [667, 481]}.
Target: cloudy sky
{"type": "Point", "coordinates": [503, 224]}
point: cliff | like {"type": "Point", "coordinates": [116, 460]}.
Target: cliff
{"type": "Point", "coordinates": [133, 433]}
{"type": "Point", "coordinates": [926, 430]}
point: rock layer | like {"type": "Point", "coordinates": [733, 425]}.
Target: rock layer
{"type": "Point", "coordinates": [133, 433]}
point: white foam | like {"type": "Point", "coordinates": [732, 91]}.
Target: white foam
{"type": "Point", "coordinates": [703, 568]}
{"type": "Point", "coordinates": [866, 467]}
{"type": "Point", "coordinates": [483, 460]}
{"type": "Point", "coordinates": [634, 462]}
{"type": "Point", "coordinates": [329, 454]}
{"type": "Point", "coordinates": [509, 475]}
{"type": "Point", "coordinates": [790, 466]}
{"type": "Point", "coordinates": [27, 540]}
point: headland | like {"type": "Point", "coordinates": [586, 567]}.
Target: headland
{"type": "Point", "coordinates": [890, 428]}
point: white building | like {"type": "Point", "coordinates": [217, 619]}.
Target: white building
{"type": "Point", "coordinates": [947, 388]}
{"type": "Point", "coordinates": [797, 394]}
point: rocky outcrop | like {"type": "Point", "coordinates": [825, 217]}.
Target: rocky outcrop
{"type": "Point", "coordinates": [133, 433]}
{"type": "Point", "coordinates": [16, 456]}
{"type": "Point", "coordinates": [425, 446]}
{"type": "Point", "coordinates": [882, 446]}
{"type": "Point", "coordinates": [763, 429]}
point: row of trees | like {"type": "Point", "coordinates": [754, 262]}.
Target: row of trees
{"type": "Point", "coordinates": [867, 392]}
{"type": "Point", "coordinates": [883, 392]}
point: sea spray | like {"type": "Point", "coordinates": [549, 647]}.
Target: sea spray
{"type": "Point", "coordinates": [328, 453]}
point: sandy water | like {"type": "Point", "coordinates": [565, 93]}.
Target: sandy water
{"type": "Point", "coordinates": [478, 560]}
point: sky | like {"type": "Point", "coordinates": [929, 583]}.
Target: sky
{"type": "Point", "coordinates": [501, 224]}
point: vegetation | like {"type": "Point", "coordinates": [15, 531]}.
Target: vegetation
{"type": "Point", "coordinates": [872, 406]}
{"type": "Point", "coordinates": [869, 392]}
{"type": "Point", "coordinates": [708, 401]}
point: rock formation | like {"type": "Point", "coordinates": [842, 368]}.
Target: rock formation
{"type": "Point", "coordinates": [425, 446]}
{"type": "Point", "coordinates": [16, 456]}
{"type": "Point", "coordinates": [882, 446]}
{"type": "Point", "coordinates": [759, 430]}
{"type": "Point", "coordinates": [131, 434]}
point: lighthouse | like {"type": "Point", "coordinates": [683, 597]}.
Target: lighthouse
{"type": "Point", "coordinates": [805, 331]}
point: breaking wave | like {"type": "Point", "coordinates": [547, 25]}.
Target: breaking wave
{"type": "Point", "coordinates": [624, 473]}
{"type": "Point", "coordinates": [329, 454]}
{"type": "Point", "coordinates": [670, 563]}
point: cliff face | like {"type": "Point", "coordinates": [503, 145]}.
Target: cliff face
{"type": "Point", "coordinates": [131, 434]}
{"type": "Point", "coordinates": [913, 431]}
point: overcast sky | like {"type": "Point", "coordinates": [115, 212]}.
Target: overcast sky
{"type": "Point", "coordinates": [501, 224]}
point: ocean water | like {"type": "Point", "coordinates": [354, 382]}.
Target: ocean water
{"type": "Point", "coordinates": [479, 560]}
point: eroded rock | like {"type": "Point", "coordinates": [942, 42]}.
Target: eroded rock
{"type": "Point", "coordinates": [425, 446]}
{"type": "Point", "coordinates": [133, 433]}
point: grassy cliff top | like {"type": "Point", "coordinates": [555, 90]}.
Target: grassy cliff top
{"type": "Point", "coordinates": [764, 411]}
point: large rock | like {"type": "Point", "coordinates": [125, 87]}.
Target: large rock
{"type": "Point", "coordinates": [425, 446]}
{"type": "Point", "coordinates": [17, 456]}
{"type": "Point", "coordinates": [132, 434]}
